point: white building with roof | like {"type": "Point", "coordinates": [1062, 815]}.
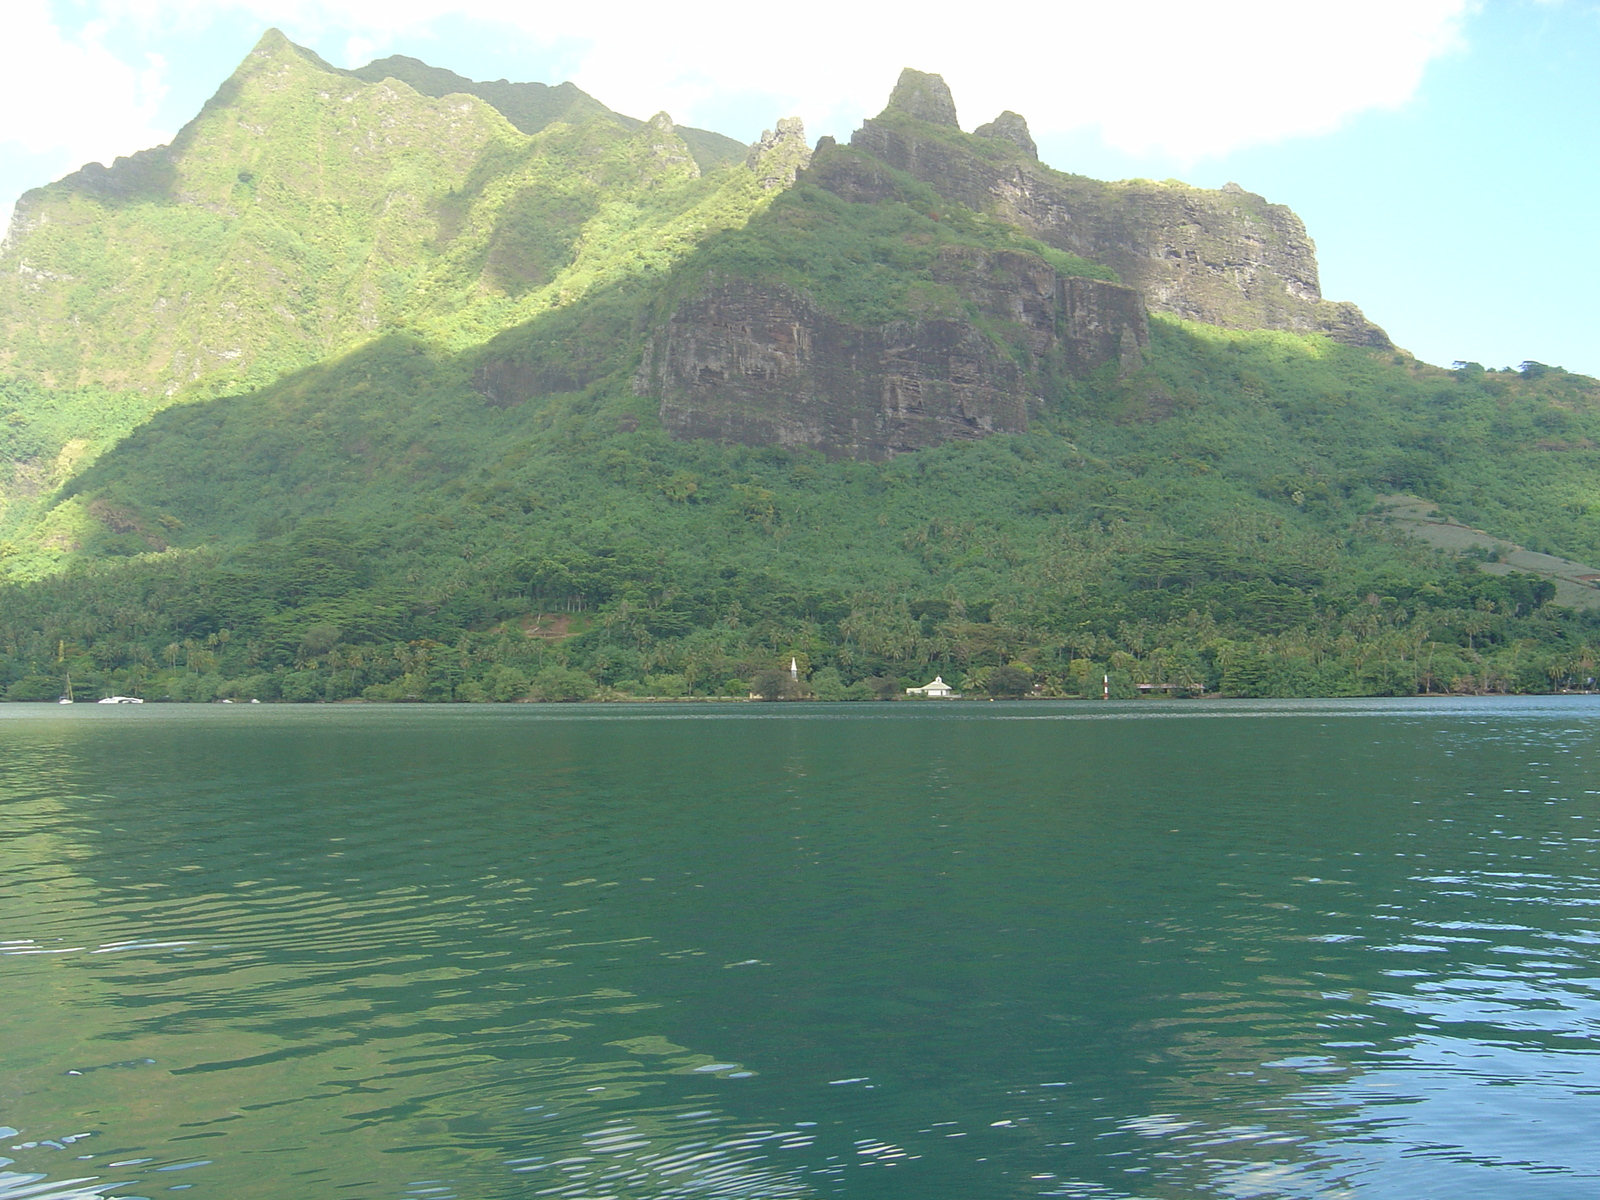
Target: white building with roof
{"type": "Point", "coordinates": [937, 690]}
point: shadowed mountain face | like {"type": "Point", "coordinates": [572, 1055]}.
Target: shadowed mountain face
{"type": "Point", "coordinates": [308, 209]}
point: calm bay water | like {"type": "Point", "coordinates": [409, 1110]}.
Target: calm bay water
{"type": "Point", "coordinates": [1297, 949]}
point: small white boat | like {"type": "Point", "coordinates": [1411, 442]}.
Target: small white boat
{"type": "Point", "coordinates": [66, 700]}
{"type": "Point", "coordinates": [120, 700]}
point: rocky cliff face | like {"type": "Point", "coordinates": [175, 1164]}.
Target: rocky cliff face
{"type": "Point", "coordinates": [780, 155]}
{"type": "Point", "coordinates": [762, 364]}
{"type": "Point", "coordinates": [1224, 257]}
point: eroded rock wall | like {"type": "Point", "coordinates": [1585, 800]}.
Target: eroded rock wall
{"type": "Point", "coordinates": [762, 364]}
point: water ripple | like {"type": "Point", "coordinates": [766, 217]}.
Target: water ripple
{"type": "Point", "coordinates": [979, 950]}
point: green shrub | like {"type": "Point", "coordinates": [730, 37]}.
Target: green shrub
{"type": "Point", "coordinates": [562, 684]}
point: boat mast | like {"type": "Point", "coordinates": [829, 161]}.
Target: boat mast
{"type": "Point", "coordinates": [61, 657]}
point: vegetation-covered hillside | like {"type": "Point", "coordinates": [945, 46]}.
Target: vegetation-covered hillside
{"type": "Point", "coordinates": [306, 208]}
{"type": "Point", "coordinates": [1203, 527]}
{"type": "Point", "coordinates": [482, 502]}
{"type": "Point", "coordinates": [305, 211]}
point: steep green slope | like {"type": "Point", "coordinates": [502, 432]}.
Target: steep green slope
{"type": "Point", "coordinates": [304, 212]}
{"type": "Point", "coordinates": [863, 262]}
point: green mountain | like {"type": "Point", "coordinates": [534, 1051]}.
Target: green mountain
{"type": "Point", "coordinates": [390, 384]}
{"type": "Point", "coordinates": [306, 210]}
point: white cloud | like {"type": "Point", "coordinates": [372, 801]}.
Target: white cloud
{"type": "Point", "coordinates": [71, 98]}
{"type": "Point", "coordinates": [1188, 79]}
{"type": "Point", "coordinates": [1175, 77]}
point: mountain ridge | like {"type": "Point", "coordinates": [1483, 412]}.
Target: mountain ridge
{"type": "Point", "coordinates": [232, 180]}
{"type": "Point", "coordinates": [302, 212]}
{"type": "Point", "coordinates": [1226, 257]}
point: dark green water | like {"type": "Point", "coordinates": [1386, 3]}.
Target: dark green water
{"type": "Point", "coordinates": [940, 952]}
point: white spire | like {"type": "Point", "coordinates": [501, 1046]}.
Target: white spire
{"type": "Point", "coordinates": [794, 669]}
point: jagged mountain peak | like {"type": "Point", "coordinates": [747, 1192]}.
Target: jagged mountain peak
{"type": "Point", "coordinates": [1010, 127]}
{"type": "Point", "coordinates": [274, 41]}
{"type": "Point", "coordinates": [923, 96]}
{"type": "Point", "coordinates": [780, 154]}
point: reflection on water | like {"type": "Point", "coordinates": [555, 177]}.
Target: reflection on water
{"type": "Point", "coordinates": [1322, 949]}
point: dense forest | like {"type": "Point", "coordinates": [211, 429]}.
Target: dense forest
{"type": "Point", "coordinates": [1204, 528]}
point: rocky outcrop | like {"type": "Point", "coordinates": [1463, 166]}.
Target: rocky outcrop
{"type": "Point", "coordinates": [1225, 257]}
{"type": "Point", "coordinates": [1010, 127]}
{"type": "Point", "coordinates": [505, 381]}
{"type": "Point", "coordinates": [762, 364]}
{"type": "Point", "coordinates": [669, 149]}
{"type": "Point", "coordinates": [923, 97]}
{"type": "Point", "coordinates": [780, 155]}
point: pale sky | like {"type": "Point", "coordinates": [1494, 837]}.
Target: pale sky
{"type": "Point", "coordinates": [1445, 154]}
